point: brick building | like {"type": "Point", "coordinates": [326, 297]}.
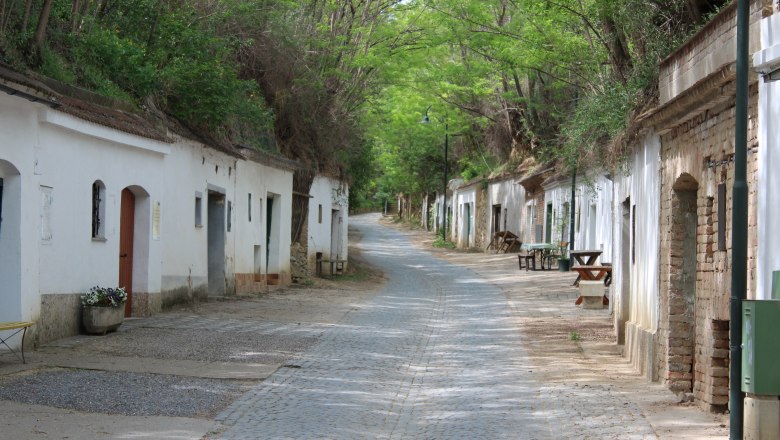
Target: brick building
{"type": "Point", "coordinates": [686, 344]}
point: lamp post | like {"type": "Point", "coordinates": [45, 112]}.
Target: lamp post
{"type": "Point", "coordinates": [427, 120]}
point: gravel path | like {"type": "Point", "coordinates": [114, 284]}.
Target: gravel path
{"type": "Point", "coordinates": [205, 345]}
{"type": "Point", "coordinates": [123, 393]}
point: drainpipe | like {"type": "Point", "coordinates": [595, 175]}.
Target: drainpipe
{"type": "Point", "coordinates": [739, 226]}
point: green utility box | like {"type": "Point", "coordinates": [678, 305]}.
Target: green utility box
{"type": "Point", "coordinates": [761, 347]}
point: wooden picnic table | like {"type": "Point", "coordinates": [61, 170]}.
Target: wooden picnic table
{"type": "Point", "coordinates": [585, 257]}
{"type": "Point", "coordinates": [538, 249]}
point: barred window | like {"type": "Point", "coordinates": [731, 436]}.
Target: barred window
{"type": "Point", "coordinates": [98, 209]}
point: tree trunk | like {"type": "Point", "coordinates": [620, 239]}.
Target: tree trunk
{"type": "Point", "coordinates": [43, 23]}
{"type": "Point", "coordinates": [26, 19]}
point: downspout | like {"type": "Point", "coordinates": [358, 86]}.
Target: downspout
{"type": "Point", "coordinates": [739, 226]}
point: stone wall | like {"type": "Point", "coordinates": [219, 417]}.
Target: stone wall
{"type": "Point", "coordinates": [696, 157]}
{"type": "Point", "coordinates": [481, 231]}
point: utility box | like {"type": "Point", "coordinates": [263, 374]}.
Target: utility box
{"type": "Point", "coordinates": [761, 347]}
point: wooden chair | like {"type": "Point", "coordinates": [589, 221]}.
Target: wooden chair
{"type": "Point", "coordinates": [496, 241]}
{"type": "Point", "coordinates": [529, 258]}
{"type": "Point", "coordinates": [557, 253]}
{"type": "Point", "coordinates": [511, 244]}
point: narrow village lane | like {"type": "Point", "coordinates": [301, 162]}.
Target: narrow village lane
{"type": "Point", "coordinates": [436, 354]}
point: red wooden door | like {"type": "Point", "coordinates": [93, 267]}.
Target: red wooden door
{"type": "Point", "coordinates": [126, 228]}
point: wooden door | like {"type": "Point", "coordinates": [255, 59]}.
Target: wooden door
{"type": "Point", "coordinates": [126, 229]}
{"type": "Point", "coordinates": [496, 219]}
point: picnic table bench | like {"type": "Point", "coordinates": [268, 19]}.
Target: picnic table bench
{"type": "Point", "coordinates": [593, 273]}
{"type": "Point", "coordinates": [19, 326]}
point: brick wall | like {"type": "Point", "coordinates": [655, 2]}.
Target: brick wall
{"type": "Point", "coordinates": [696, 157]}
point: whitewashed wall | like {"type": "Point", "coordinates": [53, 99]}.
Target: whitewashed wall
{"type": "Point", "coordinates": [511, 196]}
{"type": "Point", "coordinates": [261, 181]}
{"type": "Point", "coordinates": [557, 194]}
{"type": "Point", "coordinates": [595, 215]}
{"type": "Point", "coordinates": [120, 161]}
{"type": "Point", "coordinates": [592, 213]}
{"type": "Point", "coordinates": [646, 197]}
{"type": "Point", "coordinates": [20, 225]}
{"type": "Point", "coordinates": [325, 236]}
{"type": "Point", "coordinates": [49, 161]}
{"type": "Point", "coordinates": [191, 169]}
{"type": "Point", "coordinates": [463, 226]}
{"type": "Point", "coordinates": [767, 59]}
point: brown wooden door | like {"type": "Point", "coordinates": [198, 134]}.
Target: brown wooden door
{"type": "Point", "coordinates": [126, 228]}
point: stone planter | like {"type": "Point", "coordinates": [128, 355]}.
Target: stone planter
{"type": "Point", "coordinates": [101, 320]}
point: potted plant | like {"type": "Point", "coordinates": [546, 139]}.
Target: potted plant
{"type": "Point", "coordinates": [103, 309]}
{"type": "Point", "coordinates": [564, 263]}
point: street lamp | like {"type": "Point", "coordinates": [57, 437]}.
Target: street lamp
{"type": "Point", "coordinates": [427, 120]}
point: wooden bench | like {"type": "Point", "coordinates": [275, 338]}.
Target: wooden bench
{"type": "Point", "coordinates": [19, 326]}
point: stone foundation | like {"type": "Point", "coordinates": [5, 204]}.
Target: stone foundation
{"type": "Point", "coordinates": [182, 295]}
{"type": "Point", "coordinates": [60, 318]}
{"type": "Point", "coordinates": [640, 350]}
{"type": "Point", "coordinates": [146, 304]}
{"type": "Point", "coordinates": [249, 283]}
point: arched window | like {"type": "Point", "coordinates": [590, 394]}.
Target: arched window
{"type": "Point", "coordinates": [98, 210]}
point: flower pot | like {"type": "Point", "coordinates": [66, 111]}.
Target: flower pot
{"type": "Point", "coordinates": [101, 320]}
{"type": "Point", "coordinates": [564, 265]}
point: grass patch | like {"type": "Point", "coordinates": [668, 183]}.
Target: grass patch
{"type": "Point", "coordinates": [442, 243]}
{"type": "Point", "coordinates": [574, 336]}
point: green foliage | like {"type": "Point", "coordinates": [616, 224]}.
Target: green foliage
{"type": "Point", "coordinates": [343, 86]}
{"type": "Point", "coordinates": [55, 66]}
{"type": "Point", "coordinates": [574, 336]}
{"type": "Point", "coordinates": [442, 243]}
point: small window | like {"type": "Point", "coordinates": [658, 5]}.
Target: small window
{"type": "Point", "coordinates": [320, 214]}
{"type": "Point", "coordinates": [229, 215]}
{"type": "Point", "coordinates": [198, 210]}
{"type": "Point", "coordinates": [98, 210]}
{"type": "Point", "coordinates": [249, 206]}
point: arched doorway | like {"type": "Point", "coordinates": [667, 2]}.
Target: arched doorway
{"type": "Point", "coordinates": [134, 233]}
{"type": "Point", "coordinates": [682, 285]}
{"type": "Point", "coordinates": [10, 242]}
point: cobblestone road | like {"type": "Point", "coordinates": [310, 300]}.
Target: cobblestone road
{"type": "Point", "coordinates": [435, 355]}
